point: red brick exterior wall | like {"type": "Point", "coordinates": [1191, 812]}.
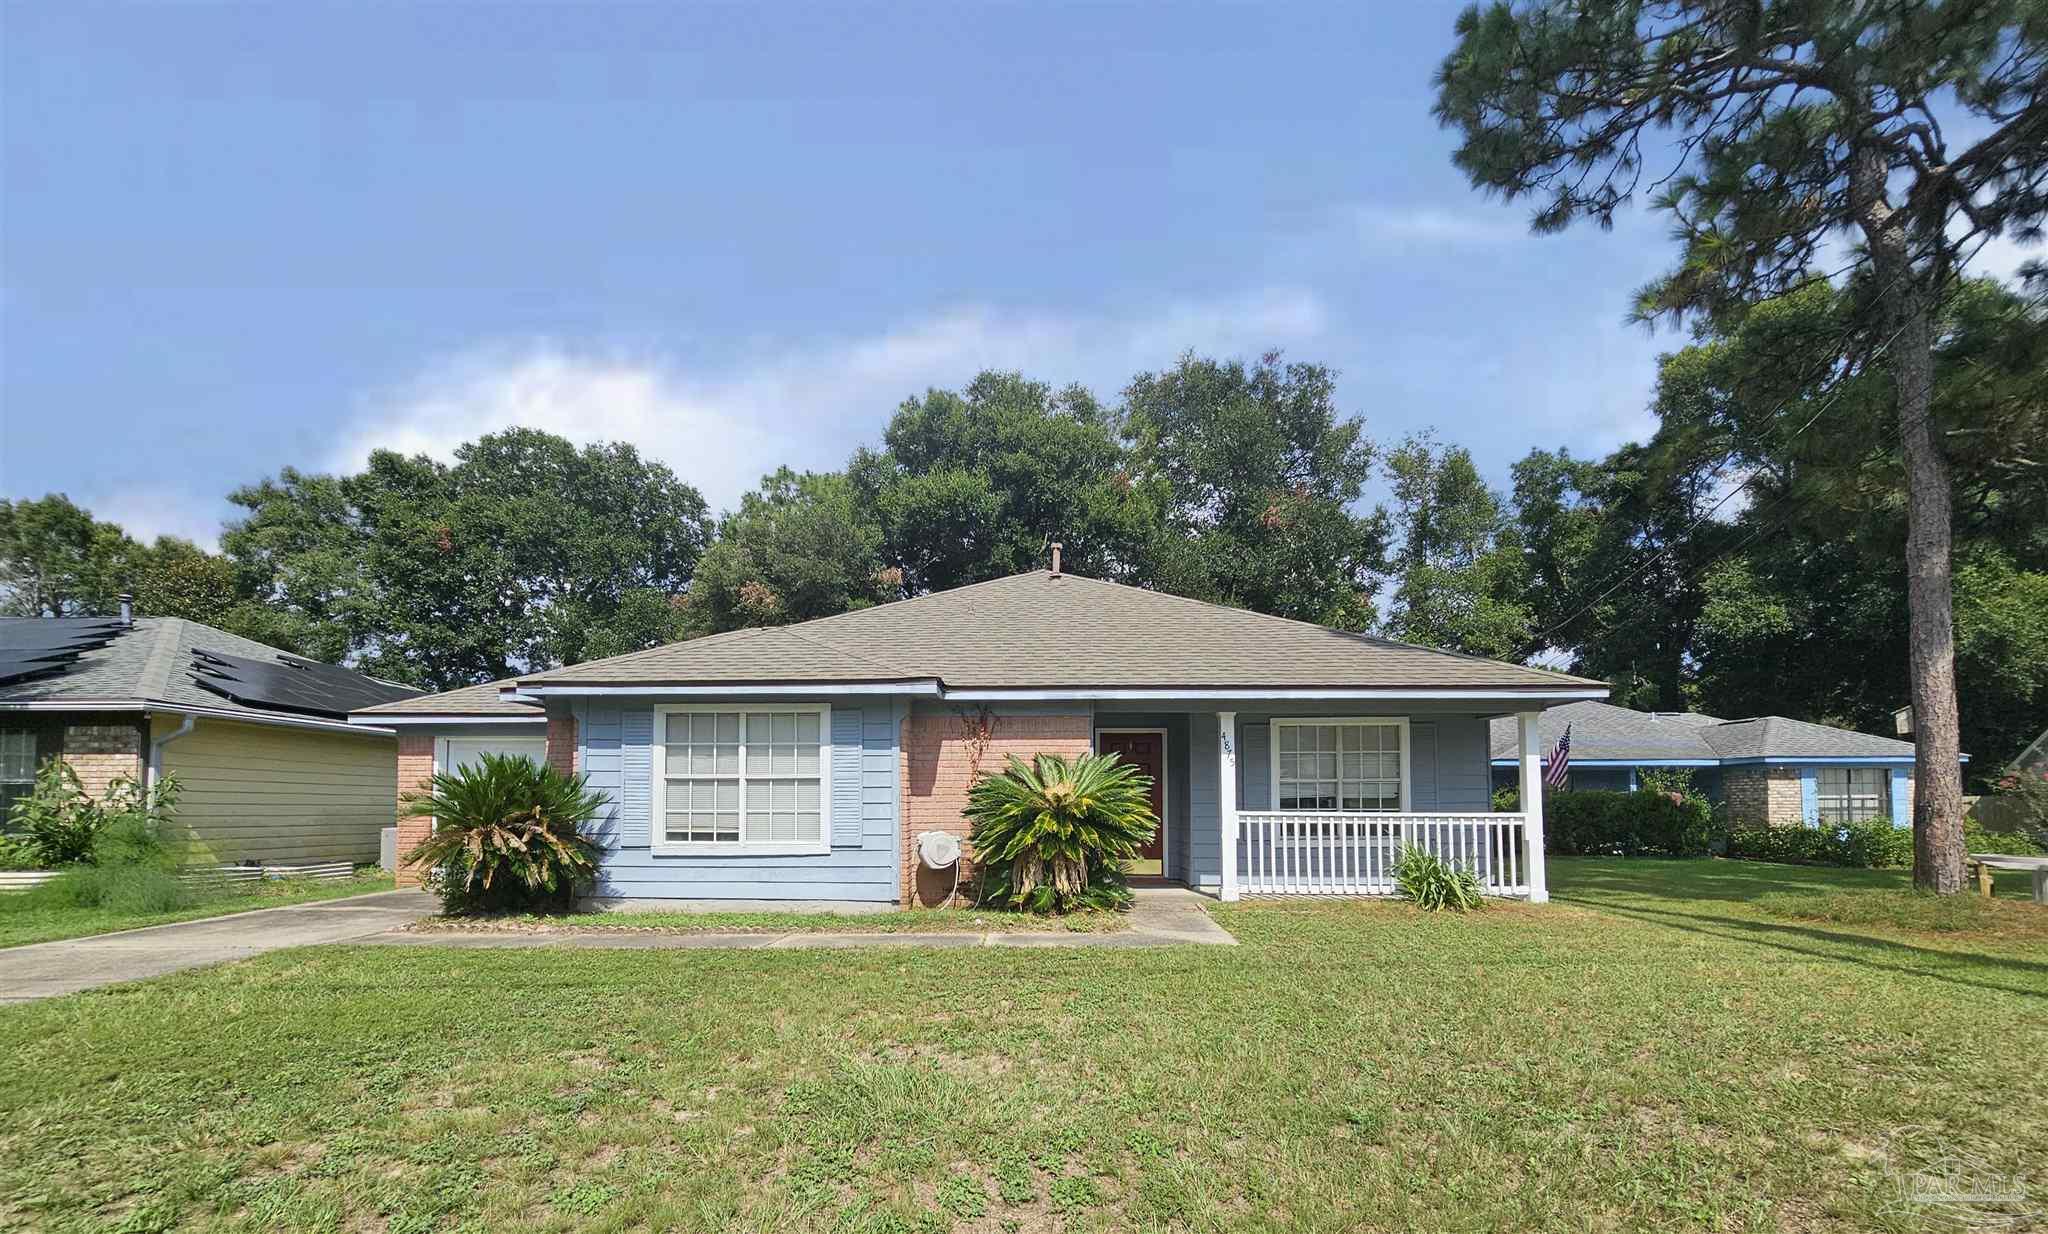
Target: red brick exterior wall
{"type": "Point", "coordinates": [415, 773]}
{"type": "Point", "coordinates": [562, 742]}
{"type": "Point", "coordinates": [942, 753]}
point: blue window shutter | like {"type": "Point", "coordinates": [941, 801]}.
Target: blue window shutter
{"type": "Point", "coordinates": [636, 771]}
{"type": "Point", "coordinates": [846, 777]}
{"type": "Point", "coordinates": [1809, 796]}
{"type": "Point", "coordinates": [1902, 789]}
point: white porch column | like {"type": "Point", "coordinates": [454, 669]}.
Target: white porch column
{"type": "Point", "coordinates": [1532, 805]}
{"type": "Point", "coordinates": [1226, 796]}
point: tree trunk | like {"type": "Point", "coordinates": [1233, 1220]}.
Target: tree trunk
{"type": "Point", "coordinates": [1930, 647]}
{"type": "Point", "coordinates": [1930, 640]}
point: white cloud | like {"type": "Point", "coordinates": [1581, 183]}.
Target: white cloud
{"type": "Point", "coordinates": [146, 513]}
{"type": "Point", "coordinates": [721, 426]}
{"type": "Point", "coordinates": [1383, 227]}
{"type": "Point", "coordinates": [2002, 256]}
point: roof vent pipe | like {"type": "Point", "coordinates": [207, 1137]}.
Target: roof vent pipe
{"type": "Point", "coordinates": [1056, 546]}
{"type": "Point", "coordinates": [127, 609]}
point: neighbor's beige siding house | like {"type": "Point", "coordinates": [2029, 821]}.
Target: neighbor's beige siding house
{"type": "Point", "coordinates": [269, 770]}
{"type": "Point", "coordinates": [800, 764]}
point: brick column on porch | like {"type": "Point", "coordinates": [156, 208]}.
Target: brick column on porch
{"type": "Point", "coordinates": [562, 742]}
{"type": "Point", "coordinates": [415, 774]}
{"type": "Point", "coordinates": [942, 754]}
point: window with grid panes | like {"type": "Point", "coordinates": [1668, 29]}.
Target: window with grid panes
{"type": "Point", "coordinates": [743, 777]}
{"type": "Point", "coordinates": [1337, 765]}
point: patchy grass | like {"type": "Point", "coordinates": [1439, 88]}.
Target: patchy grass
{"type": "Point", "coordinates": [909, 921]}
{"type": "Point", "coordinates": [24, 920]}
{"type": "Point", "coordinates": [1653, 1051]}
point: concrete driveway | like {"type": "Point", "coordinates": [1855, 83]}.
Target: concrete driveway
{"type": "Point", "coordinates": [44, 970]}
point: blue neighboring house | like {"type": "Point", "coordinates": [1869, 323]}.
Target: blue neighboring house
{"type": "Point", "coordinates": [802, 764]}
{"type": "Point", "coordinates": [1767, 770]}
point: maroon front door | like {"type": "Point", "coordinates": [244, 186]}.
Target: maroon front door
{"type": "Point", "coordinates": [1145, 750]}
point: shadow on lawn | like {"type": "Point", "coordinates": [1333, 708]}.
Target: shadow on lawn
{"type": "Point", "coordinates": [1606, 887]}
{"type": "Point", "coordinates": [1769, 934]}
{"type": "Point", "coordinates": [1704, 879]}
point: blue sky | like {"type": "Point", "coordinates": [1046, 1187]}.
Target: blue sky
{"type": "Point", "coordinates": [238, 238]}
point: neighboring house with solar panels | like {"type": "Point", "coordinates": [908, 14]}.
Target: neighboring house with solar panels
{"type": "Point", "coordinates": [1768, 770]}
{"type": "Point", "coordinates": [269, 769]}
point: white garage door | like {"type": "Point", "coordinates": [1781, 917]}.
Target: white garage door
{"type": "Point", "coordinates": [457, 752]}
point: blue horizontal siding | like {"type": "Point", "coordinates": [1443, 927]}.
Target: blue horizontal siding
{"type": "Point", "coordinates": [617, 752]}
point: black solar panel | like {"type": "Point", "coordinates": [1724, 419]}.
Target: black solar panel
{"type": "Point", "coordinates": [41, 646]}
{"type": "Point", "coordinates": [289, 683]}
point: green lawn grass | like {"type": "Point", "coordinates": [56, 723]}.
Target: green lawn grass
{"type": "Point", "coordinates": [908, 921]}
{"type": "Point", "coordinates": [1651, 1051]}
{"type": "Point", "coordinates": [22, 920]}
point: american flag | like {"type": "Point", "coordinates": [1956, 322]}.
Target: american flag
{"type": "Point", "coordinates": [1560, 761]}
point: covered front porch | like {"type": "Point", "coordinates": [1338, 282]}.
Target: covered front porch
{"type": "Point", "coordinates": [1285, 797]}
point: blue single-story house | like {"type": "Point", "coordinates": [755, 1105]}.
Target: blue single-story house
{"type": "Point", "coordinates": [800, 764]}
{"type": "Point", "coordinates": [1768, 770]}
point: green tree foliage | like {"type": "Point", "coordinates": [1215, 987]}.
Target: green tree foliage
{"type": "Point", "coordinates": [802, 546]}
{"type": "Point", "coordinates": [1791, 123]}
{"type": "Point", "coordinates": [1461, 582]}
{"type": "Point", "coordinates": [1257, 477]}
{"type": "Point", "coordinates": [57, 560]}
{"type": "Point", "coordinates": [970, 486]}
{"type": "Point", "coordinates": [526, 551]}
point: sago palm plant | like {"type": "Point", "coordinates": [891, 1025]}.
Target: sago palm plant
{"type": "Point", "coordinates": [508, 836]}
{"type": "Point", "coordinates": [1051, 835]}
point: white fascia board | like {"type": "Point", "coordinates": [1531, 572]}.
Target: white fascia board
{"type": "Point", "coordinates": [210, 713]}
{"type": "Point", "coordinates": [1827, 760]}
{"type": "Point", "coordinates": [445, 718]}
{"type": "Point", "coordinates": [1508, 698]}
{"type": "Point", "coordinates": [823, 689]}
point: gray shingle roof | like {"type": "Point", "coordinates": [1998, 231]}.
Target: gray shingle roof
{"type": "Point", "coordinates": [1041, 630]}
{"type": "Point", "coordinates": [1604, 731]}
{"type": "Point", "coordinates": [151, 664]}
{"type": "Point", "coordinates": [483, 700]}
{"type": "Point", "coordinates": [1778, 737]}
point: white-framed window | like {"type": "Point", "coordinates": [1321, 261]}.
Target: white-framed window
{"type": "Point", "coordinates": [731, 779]}
{"type": "Point", "coordinates": [1341, 765]}
{"type": "Point", "coordinates": [451, 753]}
{"type": "Point", "coordinates": [1852, 794]}
{"type": "Point", "coordinates": [17, 768]}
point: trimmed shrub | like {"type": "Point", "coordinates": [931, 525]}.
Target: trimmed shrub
{"type": "Point", "coordinates": [508, 836]}
{"type": "Point", "coordinates": [1433, 883]}
{"type": "Point", "coordinates": [1052, 835]}
{"type": "Point", "coordinates": [1872, 844]}
{"type": "Point", "coordinates": [1600, 823]}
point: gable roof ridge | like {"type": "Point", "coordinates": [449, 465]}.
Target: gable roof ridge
{"type": "Point", "coordinates": [1360, 635]}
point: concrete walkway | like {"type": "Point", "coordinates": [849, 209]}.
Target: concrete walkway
{"type": "Point", "coordinates": [1162, 917]}
{"type": "Point", "coordinates": [44, 970]}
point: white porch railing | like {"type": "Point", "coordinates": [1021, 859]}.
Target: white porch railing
{"type": "Point", "coordinates": [1354, 854]}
